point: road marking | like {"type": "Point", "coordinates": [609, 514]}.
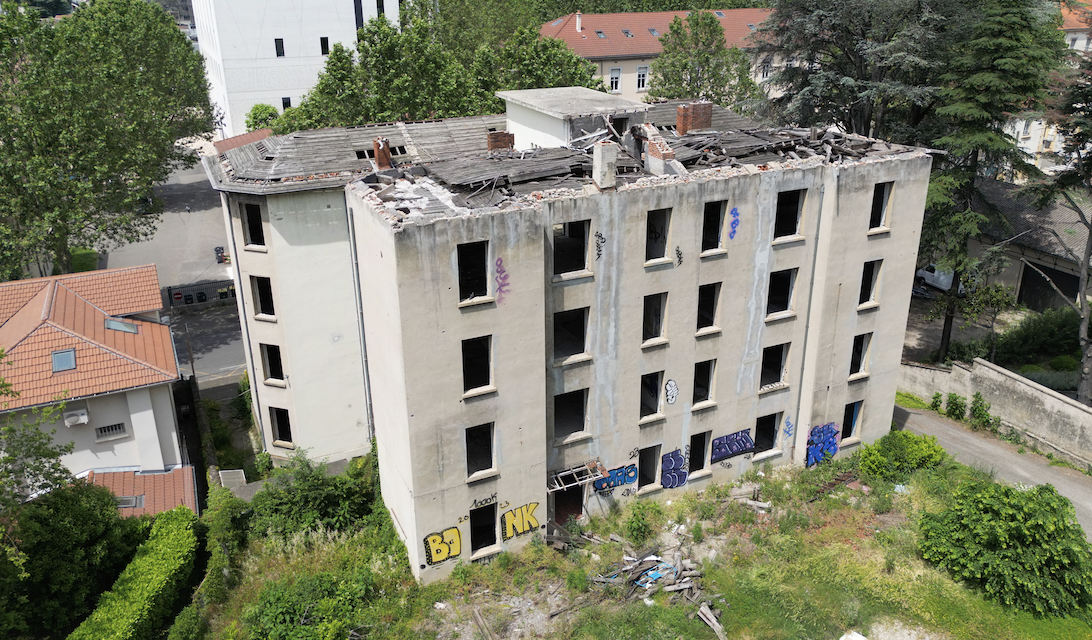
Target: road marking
{"type": "Point", "coordinates": [233, 367]}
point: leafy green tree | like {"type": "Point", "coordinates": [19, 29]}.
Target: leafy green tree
{"type": "Point", "coordinates": [93, 108]}
{"type": "Point", "coordinates": [262, 116]}
{"type": "Point", "coordinates": [696, 63]}
{"type": "Point", "coordinates": [989, 300]}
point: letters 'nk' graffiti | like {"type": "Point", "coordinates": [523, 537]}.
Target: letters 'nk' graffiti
{"type": "Point", "coordinates": [822, 443]}
{"type": "Point", "coordinates": [617, 478]}
{"type": "Point", "coordinates": [519, 521]}
{"type": "Point", "coordinates": [733, 444]}
{"type": "Point", "coordinates": [443, 546]}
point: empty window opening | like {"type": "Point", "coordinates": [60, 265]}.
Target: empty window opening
{"type": "Point", "coordinates": [473, 270]}
{"type": "Point", "coordinates": [773, 365]}
{"type": "Point", "coordinates": [110, 431]}
{"type": "Point", "coordinates": [278, 44]}
{"type": "Point", "coordinates": [766, 432]}
{"type": "Point", "coordinates": [476, 369]}
{"type": "Point", "coordinates": [365, 154]}
{"type": "Point", "coordinates": [779, 297]}
{"type": "Point", "coordinates": [655, 309]}
{"type": "Point", "coordinates": [869, 279]}
{"type": "Point", "coordinates": [656, 242]}
{"type": "Point", "coordinates": [712, 225]}
{"type": "Point", "coordinates": [570, 413]}
{"type": "Point", "coordinates": [699, 451]}
{"type": "Point", "coordinates": [648, 466]}
{"type": "Point", "coordinates": [787, 217]}
{"type": "Point", "coordinates": [483, 527]}
{"type": "Point", "coordinates": [324, 45]}
{"type": "Point", "coordinates": [858, 361]}
{"type": "Point", "coordinates": [703, 381]}
{"type": "Point", "coordinates": [708, 294]}
{"type": "Point", "coordinates": [120, 325]}
{"type": "Point", "coordinates": [571, 246]}
{"type": "Point", "coordinates": [620, 125]}
{"type": "Point", "coordinates": [263, 295]}
{"type": "Point", "coordinates": [650, 393]}
{"type": "Point", "coordinates": [64, 360]}
{"type": "Point", "coordinates": [568, 504]}
{"type": "Point", "coordinates": [252, 224]}
{"type": "Point", "coordinates": [881, 195]}
{"type": "Point", "coordinates": [570, 333]}
{"type": "Point", "coordinates": [282, 426]}
{"type": "Point", "coordinates": [479, 448]}
{"type": "Point", "coordinates": [271, 362]}
{"type": "Point", "coordinates": [850, 418]}
{"type": "Point", "coordinates": [380, 8]}
{"type": "Point", "coordinates": [286, 103]}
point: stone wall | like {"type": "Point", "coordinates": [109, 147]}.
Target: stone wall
{"type": "Point", "coordinates": [1046, 416]}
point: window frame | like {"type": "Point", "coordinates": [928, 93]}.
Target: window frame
{"type": "Point", "coordinates": [465, 272]}
{"type": "Point", "coordinates": [490, 429]}
{"type": "Point", "coordinates": [658, 377]}
{"type": "Point", "coordinates": [278, 430]}
{"type": "Point", "coordinates": [665, 234]}
{"type": "Point", "coordinates": [583, 423]}
{"type": "Point", "coordinates": [63, 366]}
{"type": "Point", "coordinates": [789, 297]}
{"type": "Point", "coordinates": [654, 451]}
{"type": "Point", "coordinates": [880, 206]}
{"type": "Point", "coordinates": [870, 284]}
{"type": "Point", "coordinates": [642, 78]}
{"type": "Point", "coordinates": [583, 312]}
{"type": "Point", "coordinates": [775, 419]}
{"type": "Point", "coordinates": [324, 45]}
{"type": "Point", "coordinates": [714, 324]}
{"type": "Point", "coordinates": [278, 47]}
{"type": "Point", "coordinates": [615, 79]}
{"type": "Point", "coordinates": [855, 423]}
{"type": "Point", "coordinates": [710, 382]}
{"type": "Point", "coordinates": [713, 209]}
{"type": "Point", "coordinates": [267, 368]}
{"type": "Point", "coordinates": [256, 293]}
{"type": "Point", "coordinates": [656, 304]}
{"type": "Point", "coordinates": [781, 382]}
{"type": "Point", "coordinates": [249, 226]}
{"type": "Point", "coordinates": [779, 211]}
{"type": "Point", "coordinates": [860, 355]}
{"type": "Point", "coordinates": [471, 390]}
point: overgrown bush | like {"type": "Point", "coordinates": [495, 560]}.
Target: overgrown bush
{"type": "Point", "coordinates": [899, 453]}
{"type": "Point", "coordinates": [644, 517]}
{"type": "Point", "coordinates": [225, 541]}
{"type": "Point", "coordinates": [147, 590]}
{"type": "Point", "coordinates": [1024, 548]}
{"type": "Point", "coordinates": [980, 414]}
{"type": "Point", "coordinates": [1054, 332]}
{"type": "Point", "coordinates": [1056, 380]}
{"type": "Point", "coordinates": [577, 580]}
{"type": "Point", "coordinates": [190, 624]}
{"type": "Point", "coordinates": [956, 407]}
{"type": "Point", "coordinates": [1065, 363]}
{"type": "Point", "coordinates": [1029, 368]}
{"type": "Point", "coordinates": [936, 403]}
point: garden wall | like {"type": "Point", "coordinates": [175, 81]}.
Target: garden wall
{"type": "Point", "coordinates": [1044, 415]}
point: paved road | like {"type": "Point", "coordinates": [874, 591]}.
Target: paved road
{"type": "Point", "coordinates": [216, 339]}
{"type": "Point", "coordinates": [986, 452]}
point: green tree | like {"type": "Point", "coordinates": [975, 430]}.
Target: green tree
{"type": "Point", "coordinates": [262, 116]}
{"type": "Point", "coordinates": [696, 63]}
{"type": "Point", "coordinates": [93, 110]}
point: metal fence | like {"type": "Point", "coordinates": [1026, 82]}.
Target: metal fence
{"type": "Point", "coordinates": [196, 294]}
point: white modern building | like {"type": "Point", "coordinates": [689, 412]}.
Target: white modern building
{"type": "Point", "coordinates": [272, 51]}
{"type": "Point", "coordinates": [534, 333]}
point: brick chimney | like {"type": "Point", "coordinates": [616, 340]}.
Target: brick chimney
{"type": "Point", "coordinates": [693, 116]}
{"type": "Point", "coordinates": [578, 22]}
{"type": "Point", "coordinates": [382, 148]}
{"type": "Point", "coordinates": [500, 141]}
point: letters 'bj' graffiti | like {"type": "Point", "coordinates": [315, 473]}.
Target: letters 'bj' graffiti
{"type": "Point", "coordinates": [502, 280]}
{"type": "Point", "coordinates": [617, 478]}
{"type": "Point", "coordinates": [443, 546]}
{"type": "Point", "coordinates": [735, 223]}
{"type": "Point", "coordinates": [519, 521]}
{"type": "Point", "coordinates": [732, 444]}
{"type": "Point", "coordinates": [673, 470]}
{"type": "Point", "coordinates": [822, 443]}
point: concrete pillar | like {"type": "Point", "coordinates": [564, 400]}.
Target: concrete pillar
{"type": "Point", "coordinates": [142, 422]}
{"type": "Point", "coordinates": [604, 164]}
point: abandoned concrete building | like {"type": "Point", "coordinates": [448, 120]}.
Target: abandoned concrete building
{"type": "Point", "coordinates": [583, 301]}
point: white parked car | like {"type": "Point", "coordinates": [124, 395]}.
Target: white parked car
{"type": "Point", "coordinates": [937, 279]}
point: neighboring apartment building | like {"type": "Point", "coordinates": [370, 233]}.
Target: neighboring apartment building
{"type": "Point", "coordinates": [95, 340]}
{"type": "Point", "coordinates": [543, 332]}
{"type": "Point", "coordinates": [272, 51]}
{"type": "Point", "coordinates": [624, 46]}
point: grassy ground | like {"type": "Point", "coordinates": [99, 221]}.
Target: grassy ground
{"type": "Point", "coordinates": [84, 260]}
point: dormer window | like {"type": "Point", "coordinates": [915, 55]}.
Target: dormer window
{"type": "Point", "coordinates": [627, 33]}
{"type": "Point", "coordinates": [64, 360]}
{"type": "Point", "coordinates": [121, 325]}
{"type": "Point", "coordinates": [600, 34]}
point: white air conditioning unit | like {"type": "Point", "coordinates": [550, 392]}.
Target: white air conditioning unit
{"type": "Point", "coordinates": [73, 418]}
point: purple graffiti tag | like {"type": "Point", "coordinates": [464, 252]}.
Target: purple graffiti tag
{"type": "Point", "coordinates": [731, 445]}
{"type": "Point", "coordinates": [735, 223]}
{"type": "Point", "coordinates": [501, 279]}
{"type": "Point", "coordinates": [822, 443]}
{"type": "Point", "coordinates": [673, 473]}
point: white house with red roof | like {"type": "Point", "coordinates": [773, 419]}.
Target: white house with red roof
{"type": "Point", "coordinates": [95, 340]}
{"type": "Point", "coordinates": [624, 46]}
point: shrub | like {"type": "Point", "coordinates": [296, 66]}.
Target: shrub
{"type": "Point", "coordinates": [263, 464]}
{"type": "Point", "coordinates": [937, 401]}
{"type": "Point", "coordinates": [1056, 380]}
{"type": "Point", "coordinates": [1065, 363]}
{"type": "Point", "coordinates": [146, 591]}
{"type": "Point", "coordinates": [1029, 368]}
{"type": "Point", "coordinates": [226, 518]}
{"type": "Point", "coordinates": [956, 407]}
{"type": "Point", "coordinates": [577, 581]}
{"type": "Point", "coordinates": [189, 625]}
{"type": "Point", "coordinates": [698, 533]}
{"type": "Point", "coordinates": [644, 516]}
{"type": "Point", "coordinates": [1023, 548]}
{"type": "Point", "coordinates": [896, 455]}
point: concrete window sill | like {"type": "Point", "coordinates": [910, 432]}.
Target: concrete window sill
{"type": "Point", "coordinates": [796, 237]}
{"type": "Point", "coordinates": [484, 474]}
{"type": "Point", "coordinates": [256, 248]}
{"type": "Point", "coordinates": [659, 262]}
{"type": "Point", "coordinates": [480, 391]}
{"type": "Point", "coordinates": [852, 441]}
{"type": "Point", "coordinates": [860, 375]}
{"type": "Point", "coordinates": [708, 331]}
{"type": "Point", "coordinates": [651, 418]}
{"type": "Point", "coordinates": [879, 231]}
{"type": "Point", "coordinates": [282, 444]}
{"type": "Point", "coordinates": [575, 359]}
{"type": "Point", "coordinates": [719, 252]}
{"type": "Point", "coordinates": [704, 405]}
{"type": "Point", "coordinates": [868, 306]}
{"type": "Point", "coordinates": [700, 474]}
{"type": "Point", "coordinates": [572, 438]}
{"type": "Point", "coordinates": [473, 302]}
{"type": "Point", "coordinates": [491, 550]}
{"type": "Point", "coordinates": [572, 276]}
{"type": "Point", "coordinates": [770, 388]}
{"type": "Point", "coordinates": [273, 382]}
{"type": "Point", "coordinates": [781, 315]}
{"type": "Point", "coordinates": [766, 455]}
{"type": "Point", "coordinates": [262, 317]}
{"type": "Point", "coordinates": [650, 489]}
{"type": "Point", "coordinates": [652, 343]}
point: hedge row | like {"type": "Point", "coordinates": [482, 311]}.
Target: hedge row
{"type": "Point", "coordinates": [146, 591]}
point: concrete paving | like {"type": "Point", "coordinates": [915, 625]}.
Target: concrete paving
{"type": "Point", "coordinates": [985, 451]}
{"type": "Point", "coordinates": [216, 340]}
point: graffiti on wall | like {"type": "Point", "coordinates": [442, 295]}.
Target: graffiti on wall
{"type": "Point", "coordinates": [519, 521]}
{"type": "Point", "coordinates": [673, 470]}
{"type": "Point", "coordinates": [501, 279]}
{"type": "Point", "coordinates": [484, 501]}
{"type": "Point", "coordinates": [616, 478]}
{"type": "Point", "coordinates": [789, 428]}
{"type": "Point", "coordinates": [442, 546]}
{"type": "Point", "coordinates": [822, 443]}
{"type": "Point", "coordinates": [671, 389]}
{"type": "Point", "coordinates": [678, 254]}
{"type": "Point", "coordinates": [733, 444]}
{"type": "Point", "coordinates": [735, 223]}
{"type": "Point", "coordinates": [600, 240]}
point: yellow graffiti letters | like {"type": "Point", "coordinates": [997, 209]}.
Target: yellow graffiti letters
{"type": "Point", "coordinates": [519, 521]}
{"type": "Point", "coordinates": [442, 546]}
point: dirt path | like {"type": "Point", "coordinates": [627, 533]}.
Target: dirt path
{"type": "Point", "coordinates": [923, 336]}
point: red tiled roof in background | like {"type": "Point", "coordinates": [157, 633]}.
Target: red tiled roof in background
{"type": "Point", "coordinates": [161, 491]}
{"type": "Point", "coordinates": [57, 318]}
{"type": "Point", "coordinates": [616, 45]}
{"type": "Point", "coordinates": [227, 144]}
{"type": "Point", "coordinates": [1075, 20]}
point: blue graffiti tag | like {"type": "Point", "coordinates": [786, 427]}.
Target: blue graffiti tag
{"type": "Point", "coordinates": [822, 443]}
{"type": "Point", "coordinates": [732, 444]}
{"type": "Point", "coordinates": [616, 478]}
{"type": "Point", "coordinates": [789, 428]}
{"type": "Point", "coordinates": [674, 470]}
{"type": "Point", "coordinates": [735, 223]}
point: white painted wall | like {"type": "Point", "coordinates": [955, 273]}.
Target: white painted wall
{"type": "Point", "coordinates": [533, 128]}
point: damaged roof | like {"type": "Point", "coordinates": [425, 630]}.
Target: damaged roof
{"type": "Point", "coordinates": [1030, 226]}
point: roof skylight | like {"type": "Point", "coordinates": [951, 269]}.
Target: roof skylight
{"type": "Point", "coordinates": [600, 34]}
{"type": "Point", "coordinates": [557, 22]}
{"type": "Point", "coordinates": [64, 360]}
{"type": "Point", "coordinates": [653, 31]}
{"type": "Point", "coordinates": [121, 325]}
{"type": "Point", "coordinates": [719, 14]}
{"type": "Point", "coordinates": [627, 33]}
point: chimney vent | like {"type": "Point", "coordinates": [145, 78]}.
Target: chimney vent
{"type": "Point", "coordinates": [604, 164]}
{"type": "Point", "coordinates": [382, 148]}
{"type": "Point", "coordinates": [578, 22]}
{"type": "Point", "coordinates": [500, 141]}
{"type": "Point", "coordinates": [693, 117]}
